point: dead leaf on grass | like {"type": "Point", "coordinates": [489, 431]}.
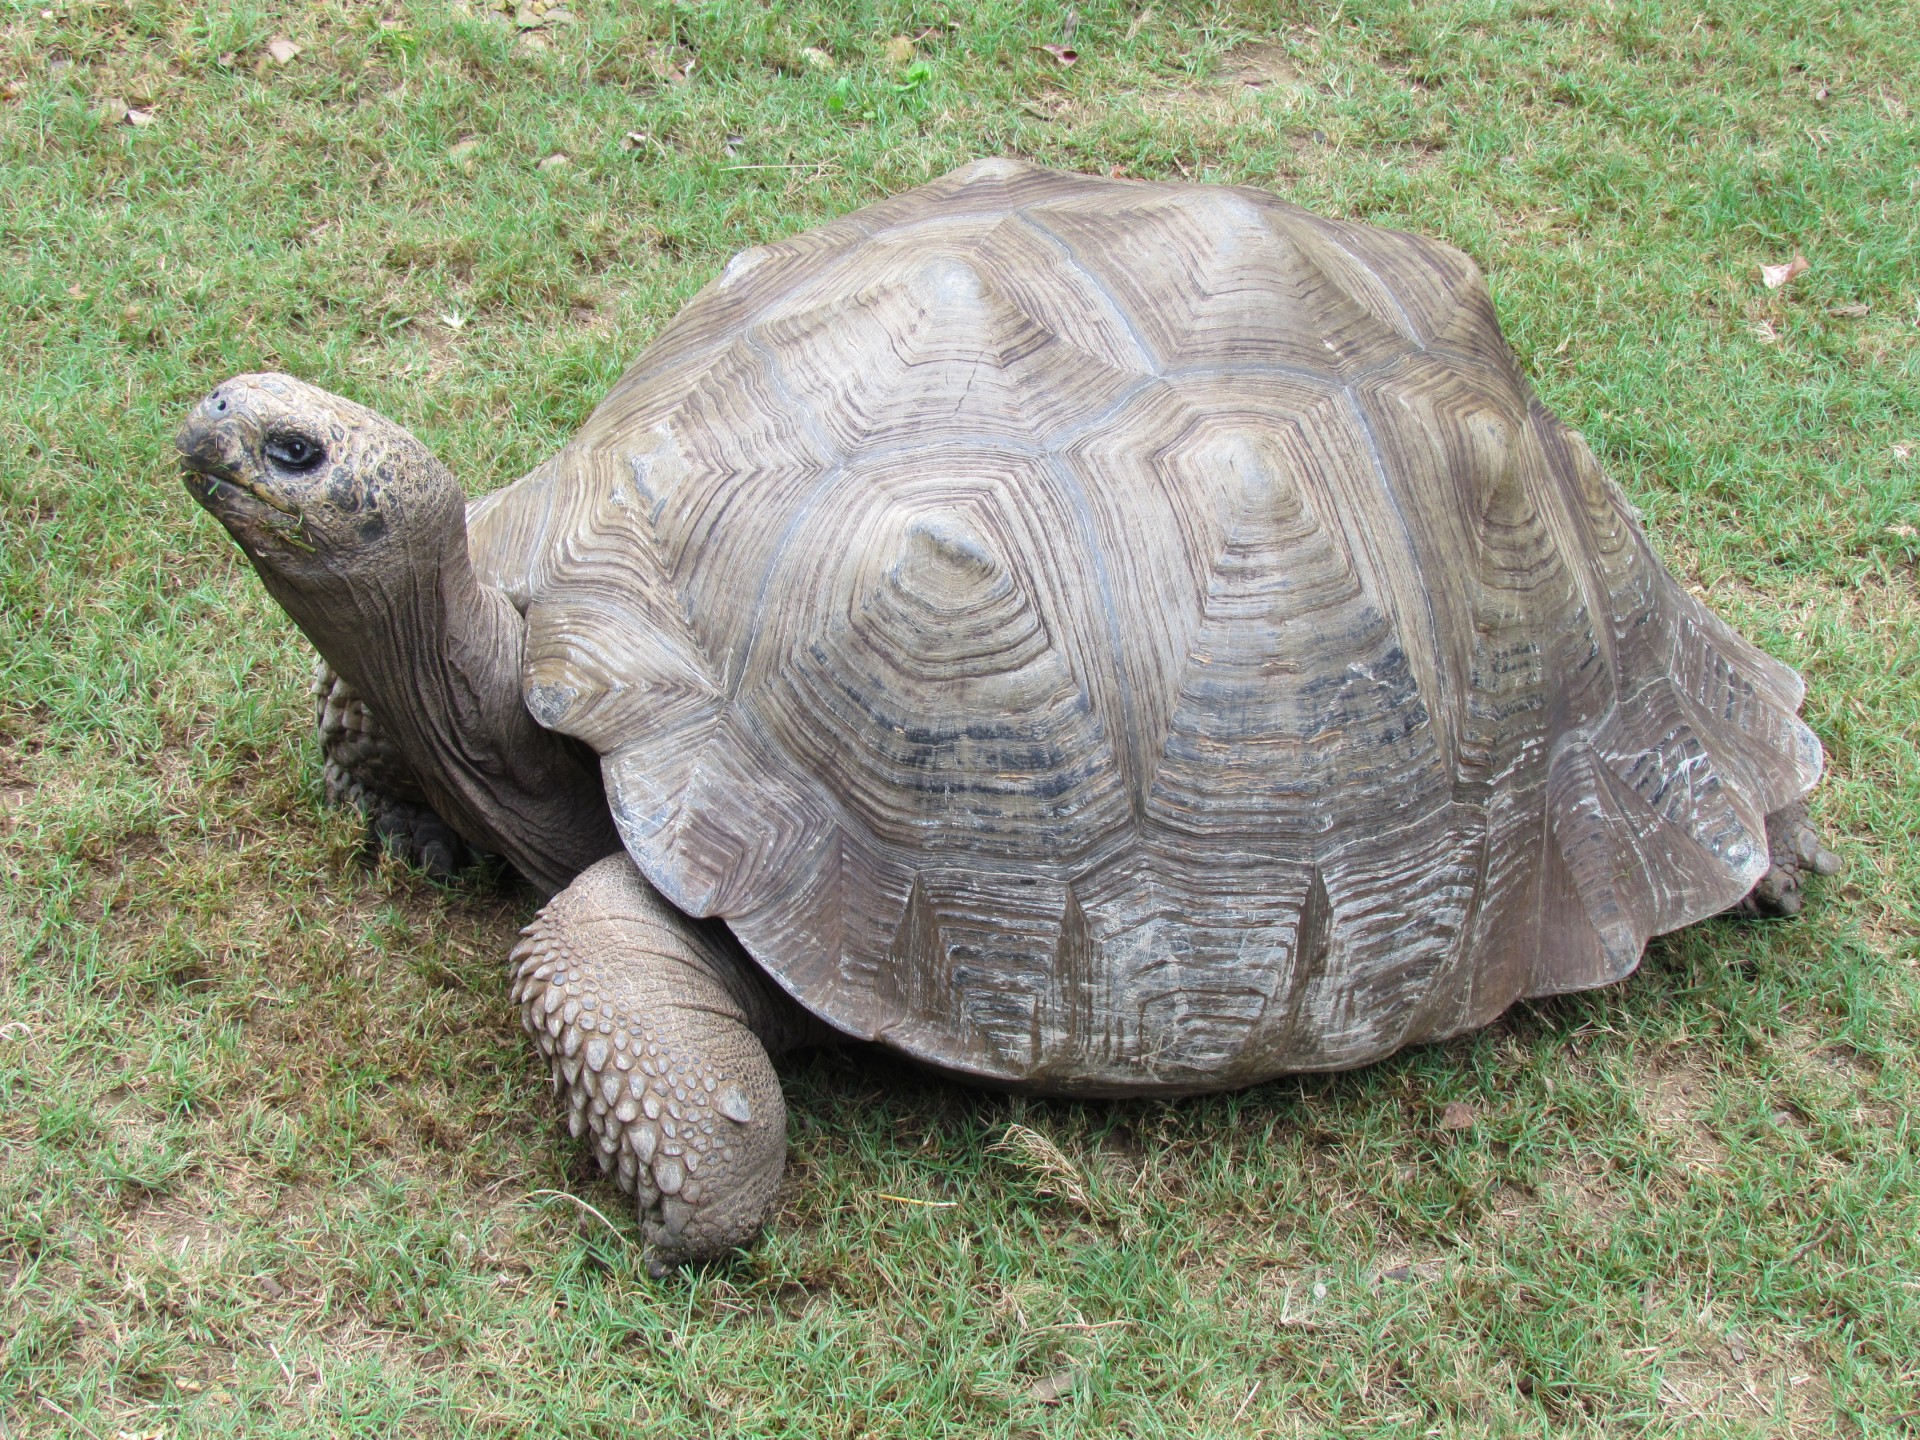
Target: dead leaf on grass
{"type": "Point", "coordinates": [138, 118]}
{"type": "Point", "coordinates": [1458, 1115]}
{"type": "Point", "coordinates": [1061, 54]}
{"type": "Point", "coordinates": [112, 110]}
{"type": "Point", "coordinates": [1774, 276]}
{"type": "Point", "coordinates": [464, 150]}
{"type": "Point", "coordinates": [556, 161]}
{"type": "Point", "coordinates": [817, 58]}
{"type": "Point", "coordinates": [899, 52]}
{"type": "Point", "coordinates": [1850, 312]}
{"type": "Point", "coordinates": [1765, 333]}
{"type": "Point", "coordinates": [281, 50]}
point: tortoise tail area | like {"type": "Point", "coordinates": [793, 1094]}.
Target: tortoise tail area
{"type": "Point", "coordinates": [1674, 739]}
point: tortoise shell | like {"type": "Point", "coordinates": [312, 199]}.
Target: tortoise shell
{"type": "Point", "coordinates": [1105, 637]}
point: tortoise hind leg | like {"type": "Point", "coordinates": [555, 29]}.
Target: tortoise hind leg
{"type": "Point", "coordinates": [660, 1033]}
{"type": "Point", "coordinates": [365, 770]}
{"type": "Point", "coordinates": [1797, 854]}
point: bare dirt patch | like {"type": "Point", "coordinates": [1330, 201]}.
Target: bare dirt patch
{"type": "Point", "coordinates": [1730, 1379]}
{"type": "Point", "coordinates": [1592, 1199]}
{"type": "Point", "coordinates": [1261, 66]}
{"type": "Point", "coordinates": [186, 1238]}
{"type": "Point", "coordinates": [1253, 80]}
{"type": "Point", "coordinates": [1677, 1101]}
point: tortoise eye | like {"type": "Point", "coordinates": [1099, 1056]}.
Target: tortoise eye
{"type": "Point", "coordinates": [294, 452]}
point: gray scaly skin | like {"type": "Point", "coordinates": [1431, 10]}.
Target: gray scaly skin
{"type": "Point", "coordinates": [660, 1031]}
{"type": "Point", "coordinates": [361, 535]}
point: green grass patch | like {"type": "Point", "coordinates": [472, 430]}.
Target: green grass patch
{"type": "Point", "coordinates": [274, 1157]}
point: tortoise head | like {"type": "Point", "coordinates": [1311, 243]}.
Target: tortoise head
{"type": "Point", "coordinates": [311, 485]}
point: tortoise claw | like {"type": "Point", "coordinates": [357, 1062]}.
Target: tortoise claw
{"type": "Point", "coordinates": [1796, 853]}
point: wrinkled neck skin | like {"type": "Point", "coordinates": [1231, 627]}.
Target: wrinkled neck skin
{"type": "Point", "coordinates": [437, 656]}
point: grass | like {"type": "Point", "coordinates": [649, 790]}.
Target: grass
{"type": "Point", "coordinates": [274, 1158]}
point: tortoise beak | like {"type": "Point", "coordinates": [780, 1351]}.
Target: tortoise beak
{"type": "Point", "coordinates": [212, 458]}
{"type": "Point", "coordinates": [207, 443]}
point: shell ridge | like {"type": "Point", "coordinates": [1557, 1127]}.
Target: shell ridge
{"type": "Point", "coordinates": [1637, 872]}
{"type": "Point", "coordinates": [1312, 950]}
{"type": "Point", "coordinates": [1456, 269]}
{"type": "Point", "coordinates": [1406, 326]}
{"type": "Point", "coordinates": [1673, 748]}
{"type": "Point", "coordinates": [1128, 750]}
{"type": "Point", "coordinates": [1305, 242]}
{"type": "Point", "coordinates": [1063, 438]}
{"type": "Point", "coordinates": [1224, 613]}
{"type": "Point", "coordinates": [1149, 358]}
{"type": "Point", "coordinates": [742, 656]}
{"type": "Point", "coordinates": [1518, 584]}
{"type": "Point", "coordinates": [508, 534]}
{"type": "Point", "coordinates": [1780, 755]}
{"type": "Point", "coordinates": [1649, 610]}
{"type": "Point", "coordinates": [1431, 682]}
{"type": "Point", "coordinates": [614, 554]}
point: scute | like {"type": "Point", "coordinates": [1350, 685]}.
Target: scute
{"type": "Point", "coordinates": [1112, 637]}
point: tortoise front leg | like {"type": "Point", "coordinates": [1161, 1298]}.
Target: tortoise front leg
{"type": "Point", "coordinates": [659, 1030]}
{"type": "Point", "coordinates": [364, 769]}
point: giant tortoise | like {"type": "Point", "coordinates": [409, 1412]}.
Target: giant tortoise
{"type": "Point", "coordinates": [1092, 637]}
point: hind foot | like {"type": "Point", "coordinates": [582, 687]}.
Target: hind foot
{"type": "Point", "coordinates": [1797, 854]}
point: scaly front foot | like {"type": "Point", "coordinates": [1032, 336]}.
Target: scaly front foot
{"type": "Point", "coordinates": [365, 770]}
{"type": "Point", "coordinates": [658, 1030]}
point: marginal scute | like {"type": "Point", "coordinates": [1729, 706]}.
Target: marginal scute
{"type": "Point", "coordinates": [1110, 637]}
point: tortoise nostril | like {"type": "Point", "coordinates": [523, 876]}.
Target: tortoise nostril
{"type": "Point", "coordinates": [219, 403]}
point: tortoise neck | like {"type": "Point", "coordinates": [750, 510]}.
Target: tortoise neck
{"type": "Point", "coordinates": [438, 657]}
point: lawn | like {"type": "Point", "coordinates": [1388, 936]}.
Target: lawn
{"type": "Point", "coordinates": [275, 1158]}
